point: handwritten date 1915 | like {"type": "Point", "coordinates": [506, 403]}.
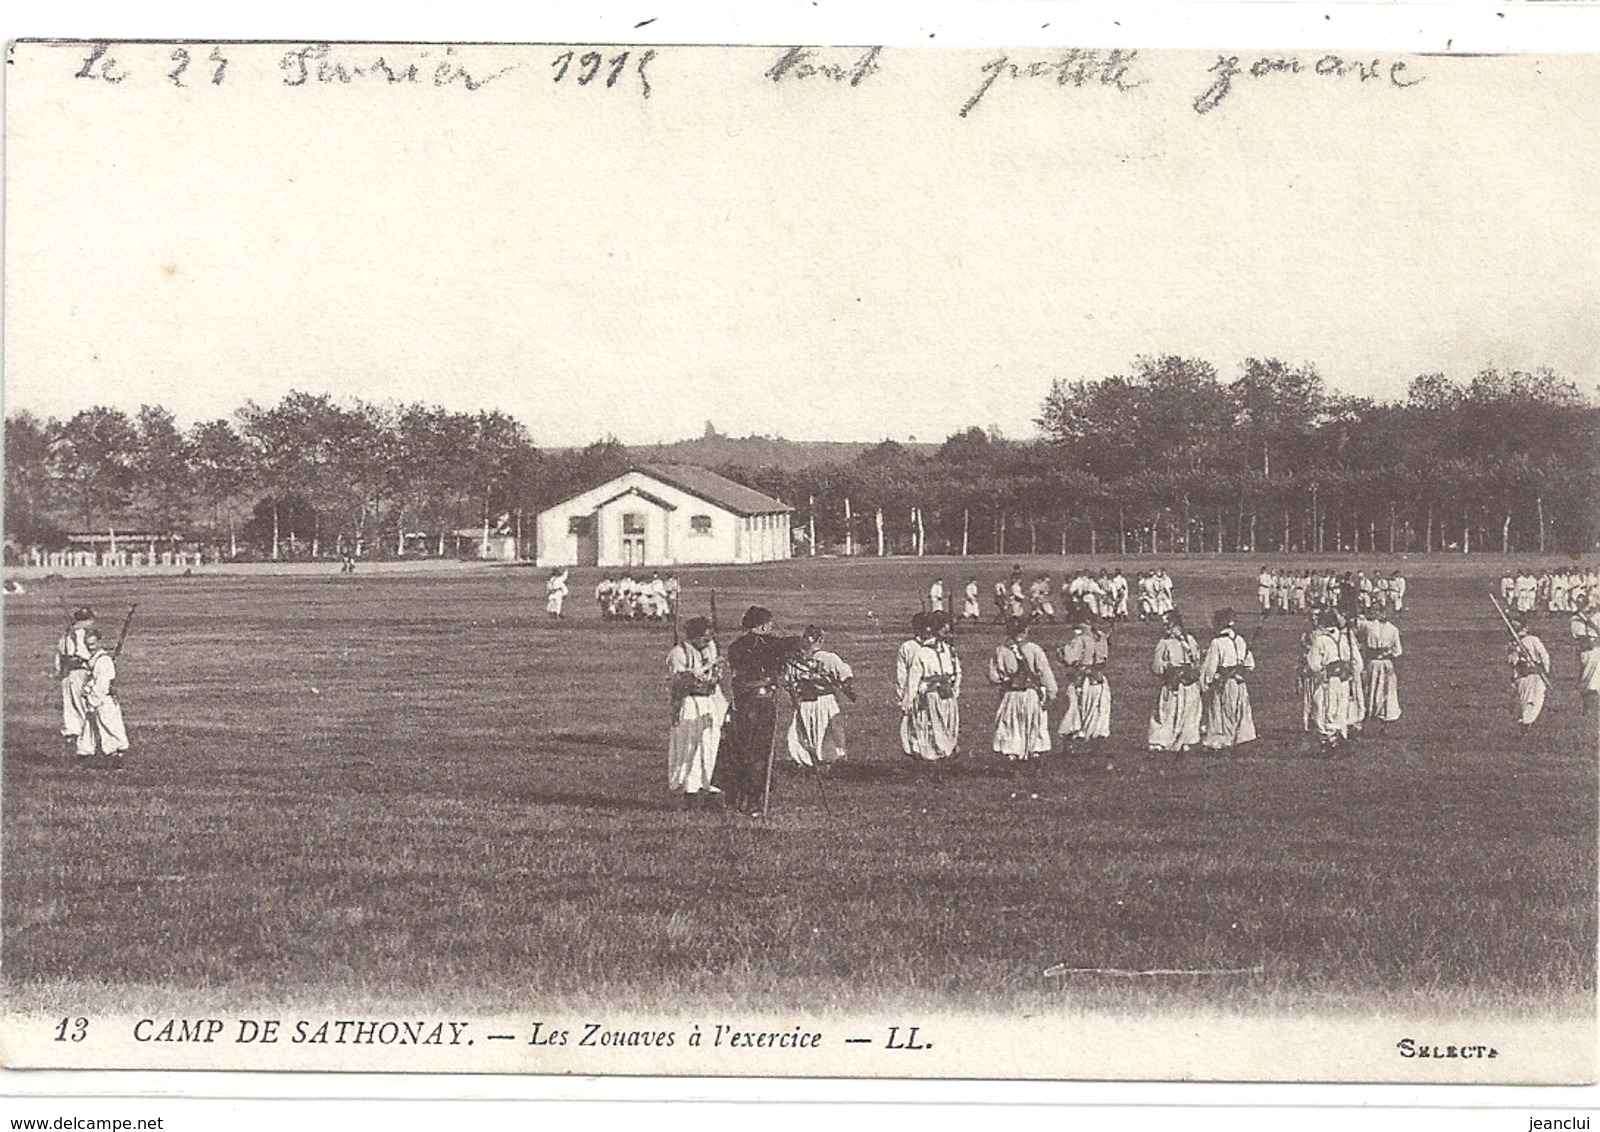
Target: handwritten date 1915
{"type": "Point", "coordinates": [584, 69]}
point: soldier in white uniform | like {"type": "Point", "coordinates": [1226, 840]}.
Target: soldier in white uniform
{"type": "Point", "coordinates": [555, 591]}
{"type": "Point", "coordinates": [1020, 669]}
{"type": "Point", "coordinates": [1529, 662]}
{"type": "Point", "coordinates": [104, 732]}
{"type": "Point", "coordinates": [928, 685]}
{"type": "Point", "coordinates": [1586, 637]}
{"type": "Point", "coordinates": [970, 610]}
{"type": "Point", "coordinates": [699, 708]}
{"type": "Point", "coordinates": [1329, 670]}
{"type": "Point", "coordinates": [72, 669]}
{"type": "Point", "coordinates": [1175, 721]}
{"type": "Point", "coordinates": [1228, 721]}
{"type": "Point", "coordinates": [816, 679]}
{"type": "Point", "coordinates": [1380, 640]}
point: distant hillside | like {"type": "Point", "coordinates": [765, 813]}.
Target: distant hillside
{"type": "Point", "coordinates": [756, 452]}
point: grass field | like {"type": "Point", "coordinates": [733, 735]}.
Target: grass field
{"type": "Point", "coordinates": [419, 789]}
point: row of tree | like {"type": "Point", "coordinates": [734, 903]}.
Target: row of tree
{"type": "Point", "coordinates": [1168, 457]}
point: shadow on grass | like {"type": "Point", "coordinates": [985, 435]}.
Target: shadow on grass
{"type": "Point", "coordinates": [587, 801]}
{"type": "Point", "coordinates": [34, 744]}
{"type": "Point", "coordinates": [606, 740]}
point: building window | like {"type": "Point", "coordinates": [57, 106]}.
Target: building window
{"type": "Point", "coordinates": [633, 522]}
{"type": "Point", "coordinates": [700, 524]}
{"type": "Point", "coordinates": [580, 525]}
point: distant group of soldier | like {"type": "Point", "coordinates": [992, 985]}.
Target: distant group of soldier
{"type": "Point", "coordinates": [92, 726]}
{"type": "Point", "coordinates": [637, 599]}
{"type": "Point", "coordinates": [1103, 594]}
{"type": "Point", "coordinates": [1551, 592]}
{"type": "Point", "coordinates": [1285, 589]}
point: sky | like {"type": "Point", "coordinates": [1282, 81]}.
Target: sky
{"type": "Point", "coordinates": [802, 257]}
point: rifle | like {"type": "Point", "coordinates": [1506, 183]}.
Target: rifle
{"type": "Point", "coordinates": [715, 631]}
{"type": "Point", "coordinates": [676, 638]}
{"type": "Point", "coordinates": [116, 653]}
{"type": "Point", "coordinates": [1522, 649]}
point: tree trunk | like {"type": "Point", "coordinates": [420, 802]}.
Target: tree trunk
{"type": "Point", "coordinates": [1122, 532]}
{"type": "Point", "coordinates": [878, 520]}
{"type": "Point", "coordinates": [1391, 526]}
{"type": "Point", "coordinates": [1429, 547]}
{"type": "Point", "coordinates": [811, 526]}
{"type": "Point", "coordinates": [1539, 502]}
{"type": "Point", "coordinates": [1000, 531]}
{"type": "Point", "coordinates": [922, 535]}
{"type": "Point", "coordinates": [966, 528]}
{"type": "Point", "coordinates": [849, 535]}
{"type": "Point", "coordinates": [274, 530]}
{"type": "Point", "coordinates": [1033, 535]}
{"type": "Point", "coordinates": [1094, 540]}
{"type": "Point", "coordinates": [1505, 536]}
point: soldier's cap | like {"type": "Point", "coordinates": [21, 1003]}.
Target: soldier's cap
{"type": "Point", "coordinates": [81, 614]}
{"type": "Point", "coordinates": [1327, 619]}
{"type": "Point", "coordinates": [1080, 617]}
{"type": "Point", "coordinates": [938, 620]}
{"type": "Point", "coordinates": [812, 633]}
{"type": "Point", "coordinates": [755, 617]}
{"type": "Point", "coordinates": [1016, 626]}
{"type": "Point", "coordinates": [919, 624]}
{"type": "Point", "coordinates": [1222, 618]}
{"type": "Point", "coordinates": [696, 626]}
{"type": "Point", "coordinates": [91, 635]}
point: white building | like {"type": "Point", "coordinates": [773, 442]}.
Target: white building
{"type": "Point", "coordinates": [664, 515]}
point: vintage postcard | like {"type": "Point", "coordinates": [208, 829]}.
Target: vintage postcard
{"type": "Point", "coordinates": [1039, 563]}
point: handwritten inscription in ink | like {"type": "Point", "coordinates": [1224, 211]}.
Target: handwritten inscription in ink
{"type": "Point", "coordinates": [1230, 71]}
{"type": "Point", "coordinates": [1077, 68]}
{"type": "Point", "coordinates": [190, 66]}
{"type": "Point", "coordinates": [318, 63]}
{"type": "Point", "coordinates": [584, 69]}
{"type": "Point", "coordinates": [804, 63]}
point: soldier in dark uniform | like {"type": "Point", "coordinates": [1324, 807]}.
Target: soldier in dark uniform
{"type": "Point", "coordinates": [756, 661]}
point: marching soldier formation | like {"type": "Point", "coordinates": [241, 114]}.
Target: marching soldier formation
{"type": "Point", "coordinates": [1291, 590]}
{"type": "Point", "coordinates": [1347, 673]}
{"type": "Point", "coordinates": [630, 599]}
{"type": "Point", "coordinates": [1550, 592]}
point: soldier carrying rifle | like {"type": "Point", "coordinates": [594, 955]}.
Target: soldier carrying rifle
{"type": "Point", "coordinates": [1529, 662]}
{"type": "Point", "coordinates": [105, 733]}
{"type": "Point", "coordinates": [72, 669]}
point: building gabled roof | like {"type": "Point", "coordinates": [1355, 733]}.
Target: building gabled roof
{"type": "Point", "coordinates": [705, 484]}
{"type": "Point", "coordinates": [642, 494]}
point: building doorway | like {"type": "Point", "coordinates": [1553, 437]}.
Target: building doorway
{"type": "Point", "coordinates": [633, 538]}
